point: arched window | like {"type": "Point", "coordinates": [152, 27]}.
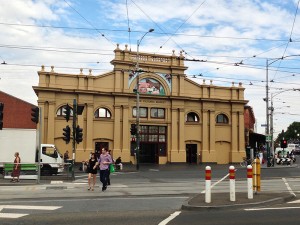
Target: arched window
{"type": "Point", "coordinates": [222, 118]}
{"type": "Point", "coordinates": [192, 117]}
{"type": "Point", "coordinates": [102, 113]}
{"type": "Point", "coordinates": [61, 111]}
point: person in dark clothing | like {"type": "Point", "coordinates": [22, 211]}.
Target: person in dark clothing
{"type": "Point", "coordinates": [118, 163]}
{"type": "Point", "coordinates": [104, 161]}
{"type": "Point", "coordinates": [92, 171]}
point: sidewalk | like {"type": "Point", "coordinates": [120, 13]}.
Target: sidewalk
{"type": "Point", "coordinates": [222, 201]}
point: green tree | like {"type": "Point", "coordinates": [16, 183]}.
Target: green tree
{"type": "Point", "coordinates": [291, 134]}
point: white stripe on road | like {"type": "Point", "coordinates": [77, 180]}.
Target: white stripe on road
{"type": "Point", "coordinates": [296, 201]}
{"type": "Point", "coordinates": [29, 207]}
{"type": "Point", "coordinates": [261, 209]}
{"type": "Point", "coordinates": [288, 186]}
{"type": "Point", "coordinates": [12, 215]}
{"type": "Point", "coordinates": [26, 207]}
{"type": "Point", "coordinates": [171, 217]}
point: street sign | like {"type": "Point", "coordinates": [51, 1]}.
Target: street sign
{"type": "Point", "coordinates": [268, 138]}
{"type": "Point", "coordinates": [263, 125]}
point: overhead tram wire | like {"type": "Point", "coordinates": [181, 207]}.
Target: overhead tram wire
{"type": "Point", "coordinates": [59, 67]}
{"type": "Point", "coordinates": [129, 30]}
{"type": "Point", "coordinates": [137, 31]}
{"type": "Point", "coordinates": [157, 25]}
{"type": "Point", "coordinates": [234, 64]}
{"type": "Point", "coordinates": [182, 24]}
{"type": "Point", "coordinates": [102, 34]}
{"type": "Point", "coordinates": [290, 37]}
{"type": "Point", "coordinates": [52, 49]}
{"type": "Point", "coordinates": [247, 58]}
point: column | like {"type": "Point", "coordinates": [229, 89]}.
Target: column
{"type": "Point", "coordinates": [89, 127]}
{"type": "Point", "coordinates": [174, 135]}
{"type": "Point", "coordinates": [51, 123]}
{"type": "Point", "coordinates": [125, 149]}
{"type": "Point", "coordinates": [234, 136]}
{"type": "Point", "coordinates": [212, 134]}
{"type": "Point", "coordinates": [204, 147]}
{"type": "Point", "coordinates": [117, 128]}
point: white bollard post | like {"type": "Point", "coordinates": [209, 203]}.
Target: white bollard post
{"type": "Point", "coordinates": [207, 184]}
{"type": "Point", "coordinates": [232, 183]}
{"type": "Point", "coordinates": [250, 181]}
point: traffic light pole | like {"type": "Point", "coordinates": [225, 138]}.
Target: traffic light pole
{"type": "Point", "coordinates": [74, 135]}
{"type": "Point", "coordinates": [39, 146]}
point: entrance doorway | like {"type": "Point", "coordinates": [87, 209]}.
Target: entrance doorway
{"type": "Point", "coordinates": [153, 144]}
{"type": "Point", "coordinates": [191, 153]}
{"type": "Point", "coordinates": [149, 153]}
{"type": "Point", "coordinates": [99, 146]}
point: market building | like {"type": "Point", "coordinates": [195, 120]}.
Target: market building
{"type": "Point", "coordinates": [181, 121]}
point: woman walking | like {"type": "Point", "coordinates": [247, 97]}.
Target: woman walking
{"type": "Point", "coordinates": [92, 170]}
{"type": "Point", "coordinates": [16, 169]}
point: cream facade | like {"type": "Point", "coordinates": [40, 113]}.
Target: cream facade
{"type": "Point", "coordinates": [181, 120]}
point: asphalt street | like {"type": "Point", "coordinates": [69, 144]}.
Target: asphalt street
{"type": "Point", "coordinates": [152, 195]}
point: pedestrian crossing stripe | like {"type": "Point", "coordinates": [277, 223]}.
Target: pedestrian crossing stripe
{"type": "Point", "coordinates": [12, 215]}
{"type": "Point", "coordinates": [295, 202]}
{"type": "Point", "coordinates": [26, 207]}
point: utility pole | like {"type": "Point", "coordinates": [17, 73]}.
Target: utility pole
{"type": "Point", "coordinates": [137, 69]}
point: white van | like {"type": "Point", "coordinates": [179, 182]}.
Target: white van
{"type": "Point", "coordinates": [294, 147]}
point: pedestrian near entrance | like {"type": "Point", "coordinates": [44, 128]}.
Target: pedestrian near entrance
{"type": "Point", "coordinates": [92, 171]}
{"type": "Point", "coordinates": [104, 161]}
{"type": "Point", "coordinates": [16, 169]}
{"type": "Point", "coordinates": [66, 156]}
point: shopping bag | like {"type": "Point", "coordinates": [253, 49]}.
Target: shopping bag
{"type": "Point", "coordinates": [111, 168]}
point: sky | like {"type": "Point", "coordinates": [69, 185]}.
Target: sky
{"type": "Point", "coordinates": [222, 40]}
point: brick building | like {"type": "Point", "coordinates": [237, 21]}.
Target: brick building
{"type": "Point", "coordinates": [16, 113]}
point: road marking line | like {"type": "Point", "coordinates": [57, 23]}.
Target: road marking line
{"type": "Point", "coordinates": [261, 209]}
{"type": "Point", "coordinates": [12, 215]}
{"type": "Point", "coordinates": [56, 182]}
{"type": "Point", "coordinates": [296, 201]}
{"type": "Point", "coordinates": [29, 207]}
{"type": "Point", "coordinates": [288, 187]}
{"type": "Point", "coordinates": [171, 217]}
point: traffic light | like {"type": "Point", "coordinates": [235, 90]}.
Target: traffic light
{"type": "Point", "coordinates": [133, 129]}
{"type": "Point", "coordinates": [1, 115]}
{"type": "Point", "coordinates": [283, 143]}
{"type": "Point", "coordinates": [35, 114]}
{"type": "Point", "coordinates": [78, 134]}
{"type": "Point", "coordinates": [67, 112]}
{"type": "Point", "coordinates": [67, 134]}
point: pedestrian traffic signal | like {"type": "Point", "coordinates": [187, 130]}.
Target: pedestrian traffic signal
{"type": "Point", "coordinates": [133, 129]}
{"type": "Point", "coordinates": [1, 115]}
{"type": "Point", "coordinates": [35, 114]}
{"type": "Point", "coordinates": [78, 134]}
{"type": "Point", "coordinates": [283, 143]}
{"type": "Point", "coordinates": [67, 134]}
{"type": "Point", "coordinates": [67, 112]}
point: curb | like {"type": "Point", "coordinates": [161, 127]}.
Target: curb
{"type": "Point", "coordinates": [272, 201]}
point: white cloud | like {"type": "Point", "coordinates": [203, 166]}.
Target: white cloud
{"type": "Point", "coordinates": [247, 20]}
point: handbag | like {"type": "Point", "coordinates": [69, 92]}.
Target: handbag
{"type": "Point", "coordinates": [111, 168]}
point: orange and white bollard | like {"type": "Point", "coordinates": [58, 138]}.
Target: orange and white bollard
{"type": "Point", "coordinates": [232, 183]}
{"type": "Point", "coordinates": [207, 184]}
{"type": "Point", "coordinates": [250, 181]}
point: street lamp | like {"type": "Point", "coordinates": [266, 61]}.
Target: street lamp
{"type": "Point", "coordinates": [268, 63]}
{"type": "Point", "coordinates": [137, 69]}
